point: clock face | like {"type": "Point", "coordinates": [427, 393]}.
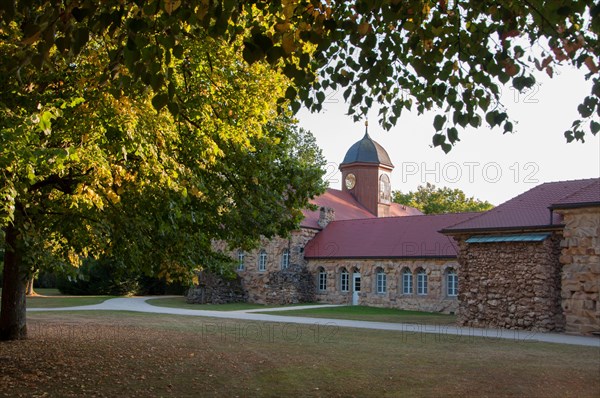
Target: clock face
{"type": "Point", "coordinates": [350, 181]}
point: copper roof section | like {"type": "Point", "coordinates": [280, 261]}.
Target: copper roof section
{"type": "Point", "coordinates": [531, 209]}
{"type": "Point", "coordinates": [391, 237]}
{"type": "Point", "coordinates": [367, 151]}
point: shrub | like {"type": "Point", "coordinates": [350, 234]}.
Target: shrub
{"type": "Point", "coordinates": [102, 277]}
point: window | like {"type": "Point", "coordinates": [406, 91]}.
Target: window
{"type": "Point", "coordinates": [285, 259]}
{"type": "Point", "coordinates": [344, 281]}
{"type": "Point", "coordinates": [452, 282]}
{"type": "Point", "coordinates": [240, 266]}
{"type": "Point", "coordinates": [381, 281]}
{"type": "Point", "coordinates": [407, 281]}
{"type": "Point", "coordinates": [422, 282]}
{"type": "Point", "coordinates": [385, 190]}
{"type": "Point", "coordinates": [262, 260]}
{"type": "Point", "coordinates": [322, 279]}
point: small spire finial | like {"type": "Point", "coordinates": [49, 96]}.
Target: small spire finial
{"type": "Point", "coordinates": [366, 127]}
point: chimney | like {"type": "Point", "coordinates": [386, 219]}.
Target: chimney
{"type": "Point", "coordinates": [326, 215]}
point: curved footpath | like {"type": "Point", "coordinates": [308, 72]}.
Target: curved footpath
{"type": "Point", "coordinates": [139, 304]}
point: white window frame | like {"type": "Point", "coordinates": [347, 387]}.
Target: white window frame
{"type": "Point", "coordinates": [241, 256]}
{"type": "Point", "coordinates": [344, 281]}
{"type": "Point", "coordinates": [452, 283]}
{"type": "Point", "coordinates": [262, 261]}
{"type": "Point", "coordinates": [285, 259]}
{"type": "Point", "coordinates": [422, 283]}
{"type": "Point", "coordinates": [407, 281]}
{"type": "Point", "coordinates": [381, 282]}
{"type": "Point", "coordinates": [322, 279]}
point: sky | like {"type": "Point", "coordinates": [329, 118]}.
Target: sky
{"type": "Point", "coordinates": [485, 164]}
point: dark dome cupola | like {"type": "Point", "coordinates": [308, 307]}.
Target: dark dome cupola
{"type": "Point", "coordinates": [367, 151]}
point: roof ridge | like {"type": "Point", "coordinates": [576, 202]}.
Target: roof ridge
{"type": "Point", "coordinates": [499, 207]}
{"type": "Point", "coordinates": [574, 180]}
{"type": "Point", "coordinates": [475, 215]}
{"type": "Point", "coordinates": [407, 217]}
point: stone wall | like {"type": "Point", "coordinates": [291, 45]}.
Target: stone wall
{"type": "Point", "coordinates": [436, 299]}
{"type": "Point", "coordinates": [275, 285]}
{"type": "Point", "coordinates": [213, 289]}
{"type": "Point", "coordinates": [290, 286]}
{"type": "Point", "coordinates": [580, 261]}
{"type": "Point", "coordinates": [512, 285]}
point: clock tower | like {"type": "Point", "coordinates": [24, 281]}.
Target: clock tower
{"type": "Point", "coordinates": [366, 172]}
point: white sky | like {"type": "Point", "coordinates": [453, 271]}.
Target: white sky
{"type": "Point", "coordinates": [485, 164]}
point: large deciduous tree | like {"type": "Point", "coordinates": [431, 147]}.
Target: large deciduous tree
{"type": "Point", "coordinates": [432, 200]}
{"type": "Point", "coordinates": [90, 169]}
{"type": "Point", "coordinates": [450, 57]}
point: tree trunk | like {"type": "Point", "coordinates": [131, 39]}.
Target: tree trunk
{"type": "Point", "coordinates": [29, 289]}
{"type": "Point", "coordinates": [13, 325]}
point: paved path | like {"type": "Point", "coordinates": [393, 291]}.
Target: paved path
{"type": "Point", "coordinates": [139, 304]}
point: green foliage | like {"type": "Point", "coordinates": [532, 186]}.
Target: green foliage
{"type": "Point", "coordinates": [87, 173]}
{"type": "Point", "coordinates": [97, 278]}
{"type": "Point", "coordinates": [101, 277]}
{"type": "Point", "coordinates": [447, 57]}
{"type": "Point", "coordinates": [432, 200]}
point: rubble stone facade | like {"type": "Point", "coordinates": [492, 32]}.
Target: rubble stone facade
{"type": "Point", "coordinates": [580, 259]}
{"type": "Point", "coordinates": [276, 272]}
{"type": "Point", "coordinates": [511, 285]}
{"type": "Point", "coordinates": [435, 297]}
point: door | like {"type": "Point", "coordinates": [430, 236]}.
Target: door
{"type": "Point", "coordinates": [355, 287]}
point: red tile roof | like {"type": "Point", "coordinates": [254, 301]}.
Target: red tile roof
{"type": "Point", "coordinates": [589, 195]}
{"type": "Point", "coordinates": [346, 208]}
{"type": "Point", "coordinates": [391, 237]}
{"type": "Point", "coordinates": [398, 210]}
{"type": "Point", "coordinates": [530, 209]}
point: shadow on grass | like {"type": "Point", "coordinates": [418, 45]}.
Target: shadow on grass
{"type": "Point", "coordinates": [373, 314]}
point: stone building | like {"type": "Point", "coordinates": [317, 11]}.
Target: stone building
{"type": "Point", "coordinates": [533, 262]}
{"type": "Point", "coordinates": [399, 262]}
{"type": "Point", "coordinates": [530, 263]}
{"type": "Point", "coordinates": [359, 247]}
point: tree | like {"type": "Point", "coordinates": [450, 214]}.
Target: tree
{"type": "Point", "coordinates": [430, 55]}
{"type": "Point", "coordinates": [432, 200]}
{"type": "Point", "coordinates": [85, 172]}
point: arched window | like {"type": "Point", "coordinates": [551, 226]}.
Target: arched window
{"type": "Point", "coordinates": [407, 281]}
{"type": "Point", "coordinates": [262, 260]}
{"type": "Point", "coordinates": [451, 282]}
{"type": "Point", "coordinates": [381, 279]}
{"type": "Point", "coordinates": [285, 259]}
{"type": "Point", "coordinates": [385, 190]}
{"type": "Point", "coordinates": [322, 279]}
{"type": "Point", "coordinates": [241, 256]}
{"type": "Point", "coordinates": [422, 282]}
{"type": "Point", "coordinates": [344, 280]}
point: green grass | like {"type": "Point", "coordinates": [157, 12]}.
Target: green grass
{"type": "Point", "coordinates": [48, 292]}
{"type": "Point", "coordinates": [52, 298]}
{"type": "Point", "coordinates": [373, 314]}
{"type": "Point", "coordinates": [179, 302]}
{"type": "Point", "coordinates": [152, 355]}
{"type": "Point", "coordinates": [64, 301]}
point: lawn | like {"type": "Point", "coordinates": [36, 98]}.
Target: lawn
{"type": "Point", "coordinates": [64, 301]}
{"type": "Point", "coordinates": [105, 354]}
{"type": "Point", "coordinates": [52, 298]}
{"type": "Point", "coordinates": [179, 302]}
{"type": "Point", "coordinates": [363, 313]}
